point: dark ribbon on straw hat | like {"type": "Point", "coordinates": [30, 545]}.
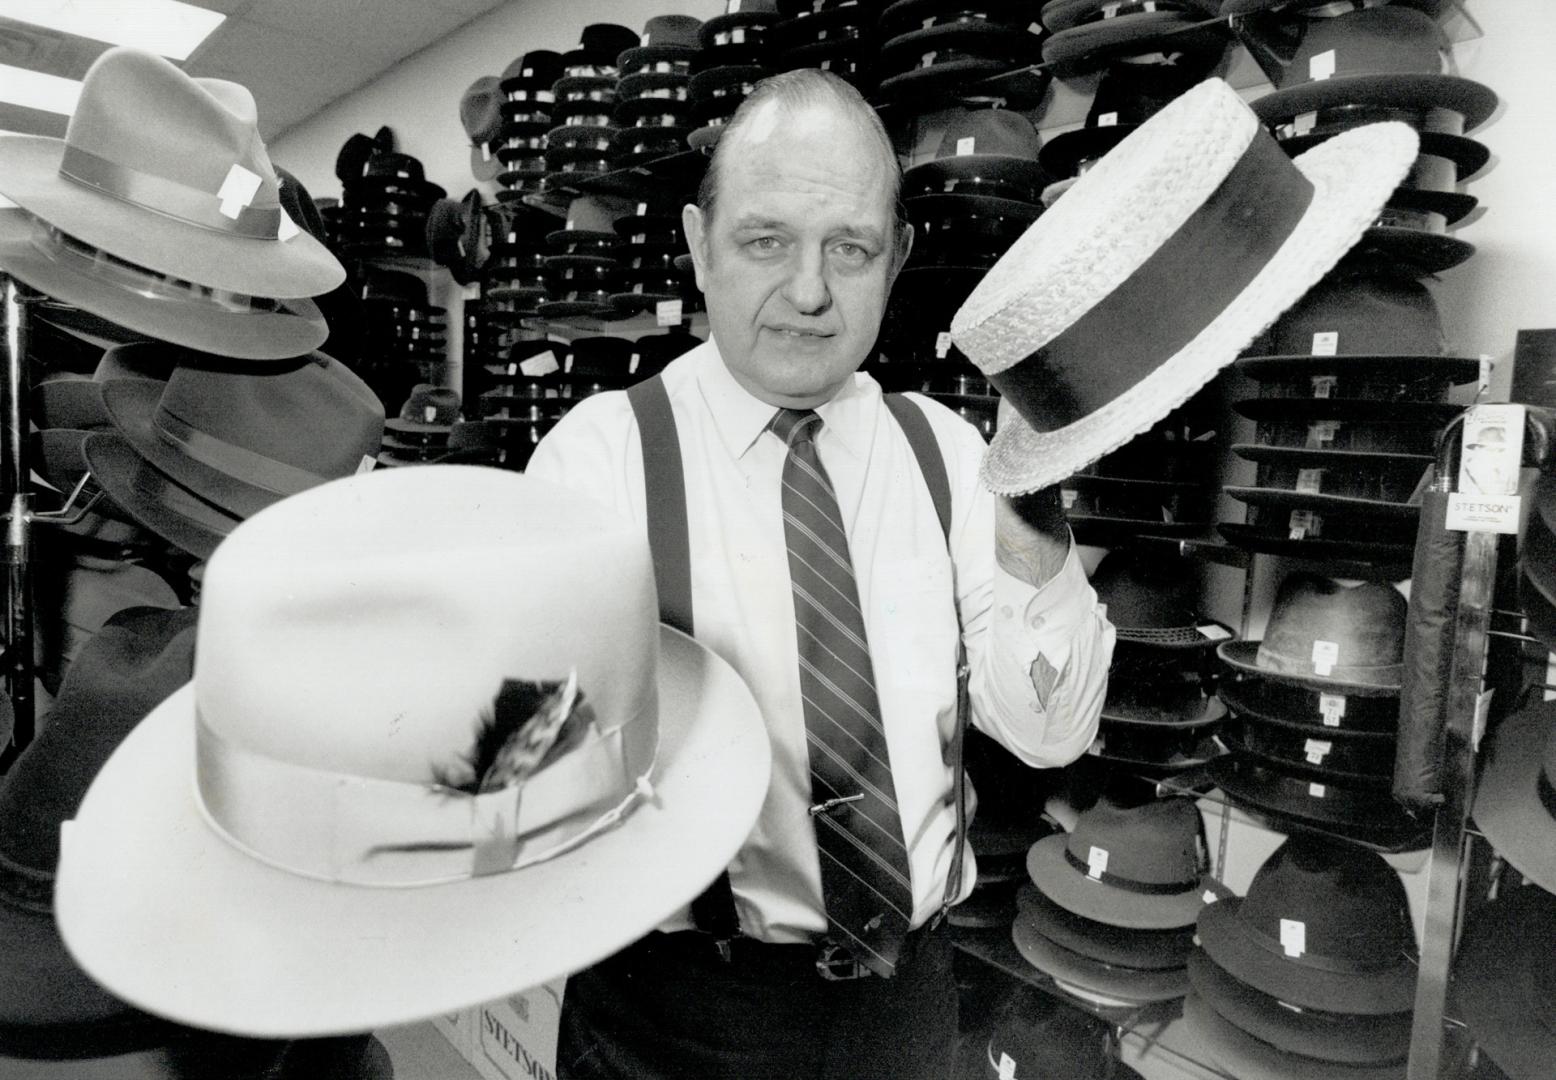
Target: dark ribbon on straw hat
{"type": "Point", "coordinates": [1222, 246]}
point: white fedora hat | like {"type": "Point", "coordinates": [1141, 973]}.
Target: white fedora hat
{"type": "Point", "coordinates": [1154, 270]}
{"type": "Point", "coordinates": [314, 836]}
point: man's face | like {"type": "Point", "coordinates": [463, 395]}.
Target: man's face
{"type": "Point", "coordinates": [797, 260]}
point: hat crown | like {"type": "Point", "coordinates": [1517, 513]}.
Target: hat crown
{"type": "Point", "coordinates": [1156, 843]}
{"type": "Point", "coordinates": [1373, 313]}
{"type": "Point", "coordinates": [443, 402]}
{"type": "Point", "coordinates": [544, 67]}
{"type": "Point", "coordinates": [1143, 596]}
{"type": "Point", "coordinates": [992, 131]}
{"type": "Point", "coordinates": [1389, 40]}
{"type": "Point", "coordinates": [204, 127]}
{"type": "Point", "coordinates": [663, 30]}
{"type": "Point", "coordinates": [1357, 631]}
{"type": "Point", "coordinates": [1350, 902]}
{"type": "Point", "coordinates": [1133, 93]}
{"type": "Point", "coordinates": [609, 39]}
{"type": "Point", "coordinates": [480, 109]}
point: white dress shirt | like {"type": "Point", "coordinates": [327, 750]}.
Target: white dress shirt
{"type": "Point", "coordinates": [1039, 657]}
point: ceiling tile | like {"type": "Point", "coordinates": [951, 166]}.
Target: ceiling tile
{"type": "Point", "coordinates": [386, 30]}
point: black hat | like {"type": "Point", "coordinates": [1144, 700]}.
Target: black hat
{"type": "Point", "coordinates": [1362, 760]}
{"type": "Point", "coordinates": [1152, 602]}
{"type": "Point", "coordinates": [744, 23]}
{"type": "Point", "coordinates": [1504, 984]}
{"type": "Point", "coordinates": [1297, 803]}
{"type": "Point", "coordinates": [1264, 699]}
{"type": "Point", "coordinates": [986, 151]}
{"type": "Point", "coordinates": [534, 70]}
{"type": "Point", "coordinates": [669, 40]}
{"type": "Point", "coordinates": [598, 47]}
{"type": "Point", "coordinates": [1089, 33]}
{"type": "Point", "coordinates": [955, 53]}
{"type": "Point", "coordinates": [1441, 132]}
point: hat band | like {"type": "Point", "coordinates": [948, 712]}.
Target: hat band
{"type": "Point", "coordinates": [360, 830]}
{"type": "Point", "coordinates": [207, 209]}
{"type": "Point", "coordinates": [26, 887]}
{"type": "Point", "coordinates": [1151, 316]}
{"type": "Point", "coordinates": [243, 464]}
{"type": "Point", "coordinates": [1145, 888]}
{"type": "Point", "coordinates": [1361, 674]}
{"type": "Point", "coordinates": [1337, 965]}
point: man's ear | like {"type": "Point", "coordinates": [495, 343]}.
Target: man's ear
{"type": "Point", "coordinates": [904, 246]}
{"type": "Point", "coordinates": [694, 228]}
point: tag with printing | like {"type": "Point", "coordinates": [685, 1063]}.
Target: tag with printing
{"type": "Point", "coordinates": [1332, 708]}
{"type": "Point", "coordinates": [1326, 654]}
{"type": "Point", "coordinates": [540, 364]}
{"type": "Point", "coordinates": [1213, 632]}
{"type": "Point", "coordinates": [1321, 65]}
{"type": "Point", "coordinates": [1317, 750]}
{"type": "Point", "coordinates": [1293, 937]}
{"type": "Point", "coordinates": [1325, 343]}
{"type": "Point", "coordinates": [1310, 481]}
{"type": "Point", "coordinates": [966, 145]}
{"type": "Point", "coordinates": [667, 313]}
{"type": "Point", "coordinates": [1323, 386]}
{"type": "Point", "coordinates": [1096, 862]}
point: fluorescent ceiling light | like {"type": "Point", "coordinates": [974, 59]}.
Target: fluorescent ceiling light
{"type": "Point", "coordinates": [35, 90]}
{"type": "Point", "coordinates": [168, 27]}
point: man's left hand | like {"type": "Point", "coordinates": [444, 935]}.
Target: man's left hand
{"type": "Point", "coordinates": [1031, 535]}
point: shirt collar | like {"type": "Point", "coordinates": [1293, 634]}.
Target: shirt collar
{"type": "Point", "coordinates": [740, 418]}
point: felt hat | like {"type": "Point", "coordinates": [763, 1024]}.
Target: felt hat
{"type": "Point", "coordinates": [1123, 947]}
{"type": "Point", "coordinates": [459, 235]}
{"type": "Point", "coordinates": [1343, 1038]}
{"type": "Point", "coordinates": [965, 230]}
{"type": "Point", "coordinates": [1315, 8]}
{"type": "Point", "coordinates": [1324, 925]}
{"type": "Point", "coordinates": [985, 152]}
{"type": "Point", "coordinates": [1089, 33]}
{"type": "Point", "coordinates": [1141, 867]}
{"type": "Point", "coordinates": [667, 40]}
{"type": "Point", "coordinates": [241, 441]}
{"type": "Point", "coordinates": [1239, 1054]}
{"type": "Point", "coordinates": [1156, 751]}
{"type": "Point", "coordinates": [1126, 233]}
{"type": "Point", "coordinates": [529, 77]}
{"type": "Point", "coordinates": [168, 173]}
{"type": "Point", "coordinates": [1515, 801]}
{"type": "Point", "coordinates": [954, 54]}
{"type": "Point", "coordinates": [1169, 698]}
{"type": "Point", "coordinates": [1113, 980]}
{"type": "Point", "coordinates": [598, 47]}
{"type": "Point", "coordinates": [1504, 980]}
{"type": "Point", "coordinates": [1151, 602]}
{"type": "Point", "coordinates": [1391, 55]}
{"type": "Point", "coordinates": [382, 844]}
{"type": "Point", "coordinates": [744, 23]}
{"type": "Point", "coordinates": [39, 254]}
{"type": "Point", "coordinates": [1386, 554]}
{"type": "Point", "coordinates": [1325, 807]}
{"type": "Point", "coordinates": [78, 403]}
{"type": "Point", "coordinates": [1250, 695]}
{"type": "Point", "coordinates": [480, 114]}
{"type": "Point", "coordinates": [1040, 1037]}
{"type": "Point", "coordinates": [1328, 637]}
{"type": "Point", "coordinates": [1362, 760]}
{"type": "Point", "coordinates": [153, 499]}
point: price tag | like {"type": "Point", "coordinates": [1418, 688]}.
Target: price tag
{"type": "Point", "coordinates": [1325, 343]}
{"type": "Point", "coordinates": [732, 8]}
{"type": "Point", "coordinates": [1321, 434]}
{"type": "Point", "coordinates": [1096, 862]}
{"type": "Point", "coordinates": [1214, 632]}
{"type": "Point", "coordinates": [1323, 385]}
{"type": "Point", "coordinates": [1303, 123]}
{"type": "Point", "coordinates": [632, 363]}
{"type": "Point", "coordinates": [1209, 896]}
{"type": "Point", "coordinates": [942, 344]}
{"type": "Point", "coordinates": [1293, 937]}
{"type": "Point", "coordinates": [486, 152]}
{"type": "Point", "coordinates": [1321, 65]}
{"type": "Point", "coordinates": [1487, 366]}
{"type": "Point", "coordinates": [1067, 496]}
{"type": "Point", "coordinates": [642, 209]}
{"type": "Point", "coordinates": [737, 36]}
{"type": "Point", "coordinates": [1317, 750]}
{"type": "Point", "coordinates": [540, 364]}
{"type": "Point", "coordinates": [668, 313]}
{"type": "Point", "coordinates": [1326, 654]}
{"type": "Point", "coordinates": [1300, 524]}
{"type": "Point", "coordinates": [1108, 119]}
{"type": "Point", "coordinates": [1318, 791]}
{"type": "Point", "coordinates": [429, 413]}
{"type": "Point", "coordinates": [1332, 708]}
{"type": "Point", "coordinates": [1007, 1067]}
{"type": "Point", "coordinates": [1095, 749]}
{"type": "Point", "coordinates": [967, 144]}
{"type": "Point", "coordinates": [513, 369]}
{"type": "Point", "coordinates": [237, 191]}
{"type": "Point", "coordinates": [367, 464]}
{"type": "Point", "coordinates": [1310, 481]}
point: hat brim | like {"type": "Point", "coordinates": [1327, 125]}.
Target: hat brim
{"type": "Point", "coordinates": [1372, 819]}
{"type": "Point", "coordinates": [1052, 873]}
{"type": "Point", "coordinates": [1288, 761]}
{"type": "Point", "coordinates": [1321, 503]}
{"type": "Point", "coordinates": [1421, 414]}
{"type": "Point", "coordinates": [1144, 950]}
{"type": "Point", "coordinates": [1211, 712]}
{"type": "Point", "coordinates": [1494, 988]}
{"type": "Point", "coordinates": [1471, 100]}
{"type": "Point", "coordinates": [1241, 1055]}
{"type": "Point", "coordinates": [1129, 984]}
{"type": "Point", "coordinates": [293, 957]}
{"type": "Point", "coordinates": [1062, 155]}
{"type": "Point", "coordinates": [938, 77]}
{"type": "Point", "coordinates": [1244, 657]}
{"type": "Point", "coordinates": [1352, 175]}
{"type": "Point", "coordinates": [195, 324]}
{"type": "Point", "coordinates": [1281, 366]}
{"type": "Point", "coordinates": [1468, 155]}
{"type": "Point", "coordinates": [68, 403]}
{"type": "Point", "coordinates": [1329, 1036]}
{"type": "Point", "coordinates": [1092, 45]}
{"type": "Point", "coordinates": [1255, 697]}
{"type": "Point", "coordinates": [1278, 542]}
{"type": "Point", "coordinates": [154, 500]}
{"type": "Point", "coordinates": [287, 269]}
{"type": "Point", "coordinates": [1507, 800]}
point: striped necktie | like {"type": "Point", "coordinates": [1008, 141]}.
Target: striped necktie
{"type": "Point", "coordinates": [864, 863]}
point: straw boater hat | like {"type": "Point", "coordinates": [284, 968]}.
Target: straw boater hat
{"type": "Point", "coordinates": [1157, 267]}
{"type": "Point", "coordinates": [409, 778]}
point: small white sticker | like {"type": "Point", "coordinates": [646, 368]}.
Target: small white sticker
{"type": "Point", "coordinates": [540, 364]}
{"type": "Point", "coordinates": [1067, 496]}
{"type": "Point", "coordinates": [732, 8]}
{"type": "Point", "coordinates": [1007, 1067]}
{"type": "Point", "coordinates": [642, 209]}
{"type": "Point", "coordinates": [1326, 654]}
{"type": "Point", "coordinates": [1293, 937]}
{"type": "Point", "coordinates": [1304, 123]}
{"type": "Point", "coordinates": [1310, 481]}
{"type": "Point", "coordinates": [942, 344]}
{"type": "Point", "coordinates": [429, 413]}
{"type": "Point", "coordinates": [486, 152]}
{"type": "Point", "coordinates": [237, 191]}
{"type": "Point", "coordinates": [667, 313]}
{"type": "Point", "coordinates": [1213, 632]}
{"type": "Point", "coordinates": [1209, 896]}
{"type": "Point", "coordinates": [1325, 343]}
{"type": "Point", "coordinates": [1321, 65]}
{"type": "Point", "coordinates": [1324, 385]}
{"type": "Point", "coordinates": [1321, 434]}
{"type": "Point", "coordinates": [967, 144]}
{"type": "Point", "coordinates": [1096, 862]}
{"type": "Point", "coordinates": [1108, 119]}
{"type": "Point", "coordinates": [1095, 749]}
{"type": "Point", "coordinates": [632, 363]}
{"type": "Point", "coordinates": [513, 369]}
{"type": "Point", "coordinates": [1317, 790]}
{"type": "Point", "coordinates": [737, 36]}
{"type": "Point", "coordinates": [1316, 750]}
{"type": "Point", "coordinates": [1301, 523]}
{"type": "Point", "coordinates": [1332, 708]}
{"type": "Point", "coordinates": [1484, 513]}
{"type": "Point", "coordinates": [367, 464]}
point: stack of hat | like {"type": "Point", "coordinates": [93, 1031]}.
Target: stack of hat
{"type": "Point", "coordinates": [403, 336]}
{"type": "Point", "coordinates": [934, 48]}
{"type": "Point", "coordinates": [653, 97]}
{"type": "Point", "coordinates": [515, 272]}
{"type": "Point", "coordinates": [1038, 1037]}
{"type": "Point", "coordinates": [334, 217]}
{"type": "Point", "coordinates": [833, 35]}
{"type": "Point", "coordinates": [420, 433]}
{"type": "Point", "coordinates": [1353, 384]}
{"type": "Point", "coordinates": [736, 55]}
{"type": "Point", "coordinates": [526, 404]}
{"type": "Point", "coordinates": [526, 117]}
{"type": "Point", "coordinates": [967, 206]}
{"type": "Point", "coordinates": [1086, 34]}
{"type": "Point", "coordinates": [1160, 717]}
{"type": "Point", "coordinates": [480, 114]}
{"type": "Point", "coordinates": [582, 271]}
{"type": "Point", "coordinates": [1313, 973]}
{"type": "Point", "coordinates": [1315, 712]}
{"type": "Point", "coordinates": [1504, 980]}
{"type": "Point", "coordinates": [386, 209]}
{"type": "Point", "coordinates": [579, 142]}
{"type": "Point", "coordinates": [651, 240]}
{"type": "Point", "coordinates": [1386, 63]}
{"type": "Point", "coordinates": [1109, 913]}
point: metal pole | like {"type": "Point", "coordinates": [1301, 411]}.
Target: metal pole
{"type": "Point", "coordinates": [18, 668]}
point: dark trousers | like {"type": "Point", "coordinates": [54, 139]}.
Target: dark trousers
{"type": "Point", "coordinates": [670, 1008]}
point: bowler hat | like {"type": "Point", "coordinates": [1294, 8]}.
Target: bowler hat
{"type": "Point", "coordinates": [1328, 637]}
{"type": "Point", "coordinates": [1504, 980]}
{"type": "Point", "coordinates": [1515, 801]}
{"type": "Point", "coordinates": [1236, 1053]}
{"type": "Point", "coordinates": [1299, 803]}
{"type": "Point", "coordinates": [1325, 925]}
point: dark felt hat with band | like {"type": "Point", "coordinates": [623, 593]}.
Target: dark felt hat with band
{"type": "Point", "coordinates": [169, 173]}
{"type": "Point", "coordinates": [1362, 760]}
{"type": "Point", "coordinates": [1167, 699]}
{"type": "Point", "coordinates": [1088, 326]}
{"type": "Point", "coordinates": [1231, 1051]}
{"type": "Point", "coordinates": [1143, 950]}
{"type": "Point", "coordinates": [1141, 867]}
{"type": "Point", "coordinates": [530, 76]}
{"type": "Point", "coordinates": [1296, 803]}
{"type": "Point", "coordinates": [1151, 602]}
{"type": "Point", "coordinates": [1328, 637]}
{"type": "Point", "coordinates": [1504, 985]}
{"type": "Point", "coordinates": [1441, 132]}
{"type": "Point", "coordinates": [666, 39]}
{"type": "Point", "coordinates": [1515, 802]}
{"type": "Point", "coordinates": [1110, 980]}
{"type": "Point", "coordinates": [985, 152]}
{"type": "Point", "coordinates": [1264, 699]}
{"type": "Point", "coordinates": [243, 441]}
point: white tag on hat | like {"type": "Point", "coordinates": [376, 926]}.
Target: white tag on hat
{"type": "Point", "coordinates": [1310, 481]}
{"type": "Point", "coordinates": [429, 413]}
{"type": "Point", "coordinates": [1321, 65]}
{"type": "Point", "coordinates": [1326, 654]}
{"type": "Point", "coordinates": [1110, 10]}
{"type": "Point", "coordinates": [286, 228]}
{"type": "Point", "coordinates": [1325, 343]}
{"type": "Point", "coordinates": [1108, 119]}
{"type": "Point", "coordinates": [942, 344]}
{"type": "Point", "coordinates": [1316, 750]}
{"type": "Point", "coordinates": [1300, 524]}
{"type": "Point", "coordinates": [642, 209]}
{"type": "Point", "coordinates": [732, 8]}
{"type": "Point", "coordinates": [540, 364]}
{"type": "Point", "coordinates": [967, 144]}
{"type": "Point", "coordinates": [632, 363]}
{"type": "Point", "coordinates": [1293, 937]}
{"type": "Point", "coordinates": [1303, 123]}
{"type": "Point", "coordinates": [1487, 366]}
{"type": "Point", "coordinates": [1213, 632]}
{"type": "Point", "coordinates": [1209, 896]}
{"type": "Point", "coordinates": [237, 191]}
{"type": "Point", "coordinates": [1096, 862]}
{"type": "Point", "coordinates": [1332, 708]}
{"type": "Point", "coordinates": [667, 313]}
{"type": "Point", "coordinates": [1067, 496]}
{"type": "Point", "coordinates": [737, 36]}
{"type": "Point", "coordinates": [1321, 434]}
{"type": "Point", "coordinates": [513, 369]}
{"type": "Point", "coordinates": [486, 151]}
{"type": "Point", "coordinates": [1007, 1067]}
{"type": "Point", "coordinates": [1095, 749]}
{"type": "Point", "coordinates": [1323, 385]}
{"type": "Point", "coordinates": [367, 464]}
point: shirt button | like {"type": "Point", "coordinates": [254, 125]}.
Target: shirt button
{"type": "Point", "coordinates": [1036, 622]}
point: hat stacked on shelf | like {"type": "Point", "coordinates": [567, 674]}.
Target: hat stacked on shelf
{"type": "Point", "coordinates": [968, 205]}
{"type": "Point", "coordinates": [1313, 973]}
{"type": "Point", "coordinates": [526, 117]}
{"type": "Point", "coordinates": [386, 207]}
{"type": "Point", "coordinates": [1315, 709]}
{"type": "Point", "coordinates": [1086, 34]}
{"type": "Point", "coordinates": [736, 55]}
{"type": "Point", "coordinates": [581, 267]}
{"type": "Point", "coordinates": [935, 48]}
{"type": "Point", "coordinates": [404, 337]}
{"type": "Point", "coordinates": [653, 98]}
{"type": "Point", "coordinates": [833, 35]}
{"type": "Point", "coordinates": [1504, 980]}
{"type": "Point", "coordinates": [1037, 1036]}
{"type": "Point", "coordinates": [651, 241]}
{"type": "Point", "coordinates": [1109, 913]}
{"type": "Point", "coordinates": [578, 145]}
{"type": "Point", "coordinates": [1353, 382]}
{"type": "Point", "coordinates": [420, 433]}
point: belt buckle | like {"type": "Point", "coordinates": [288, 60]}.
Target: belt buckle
{"type": "Point", "coordinates": [836, 963]}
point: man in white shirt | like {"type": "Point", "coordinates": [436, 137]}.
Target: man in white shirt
{"type": "Point", "coordinates": [797, 239]}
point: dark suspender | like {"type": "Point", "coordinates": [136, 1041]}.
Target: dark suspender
{"type": "Point", "coordinates": [664, 485]}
